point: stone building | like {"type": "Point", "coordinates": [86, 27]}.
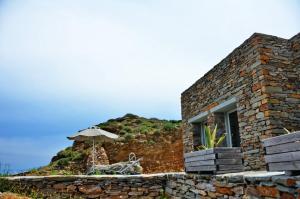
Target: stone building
{"type": "Point", "coordinates": [252, 94]}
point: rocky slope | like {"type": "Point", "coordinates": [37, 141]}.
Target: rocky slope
{"type": "Point", "coordinates": [158, 142]}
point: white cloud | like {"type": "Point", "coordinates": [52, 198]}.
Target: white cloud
{"type": "Point", "coordinates": [126, 50]}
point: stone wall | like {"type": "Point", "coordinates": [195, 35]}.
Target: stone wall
{"type": "Point", "coordinates": [110, 187]}
{"type": "Point", "coordinates": [281, 83]}
{"type": "Point", "coordinates": [263, 74]}
{"type": "Point", "coordinates": [253, 185]}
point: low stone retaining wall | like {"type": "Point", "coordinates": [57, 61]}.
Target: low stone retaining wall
{"type": "Point", "coordinates": [114, 186]}
{"type": "Point", "coordinates": [253, 185]}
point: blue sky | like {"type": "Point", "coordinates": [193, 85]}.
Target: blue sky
{"type": "Point", "coordinates": [66, 65]}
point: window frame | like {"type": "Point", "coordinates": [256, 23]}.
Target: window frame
{"type": "Point", "coordinates": [227, 127]}
{"type": "Point", "coordinates": [226, 107]}
{"type": "Point", "coordinates": [202, 130]}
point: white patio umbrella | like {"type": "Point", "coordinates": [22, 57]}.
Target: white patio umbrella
{"type": "Point", "coordinates": [94, 134]}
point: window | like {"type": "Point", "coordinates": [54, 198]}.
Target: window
{"type": "Point", "coordinates": [196, 135]}
{"type": "Point", "coordinates": [199, 134]}
{"type": "Point", "coordinates": [232, 129]}
{"type": "Point", "coordinates": [203, 124]}
{"type": "Point", "coordinates": [225, 116]}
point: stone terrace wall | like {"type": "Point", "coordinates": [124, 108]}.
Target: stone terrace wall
{"type": "Point", "coordinates": [110, 187]}
{"type": "Point", "coordinates": [252, 185]}
{"type": "Point", "coordinates": [263, 74]}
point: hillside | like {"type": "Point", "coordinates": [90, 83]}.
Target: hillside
{"type": "Point", "coordinates": [159, 142]}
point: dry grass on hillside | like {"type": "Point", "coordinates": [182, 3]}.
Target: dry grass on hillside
{"type": "Point", "coordinates": [8, 195]}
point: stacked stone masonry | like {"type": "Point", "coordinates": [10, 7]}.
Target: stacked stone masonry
{"type": "Point", "coordinates": [263, 74]}
{"type": "Point", "coordinates": [252, 185]}
{"type": "Point", "coordinates": [106, 187]}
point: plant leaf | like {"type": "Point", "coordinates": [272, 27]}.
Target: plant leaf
{"type": "Point", "coordinates": [221, 139]}
{"type": "Point", "coordinates": [202, 147]}
{"type": "Point", "coordinates": [288, 132]}
{"type": "Point", "coordinates": [208, 137]}
{"type": "Point", "coordinates": [213, 136]}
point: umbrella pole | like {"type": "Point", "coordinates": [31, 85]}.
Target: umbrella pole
{"type": "Point", "coordinates": [93, 155]}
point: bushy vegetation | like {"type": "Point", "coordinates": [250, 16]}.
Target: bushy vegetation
{"type": "Point", "coordinates": [4, 185]}
{"type": "Point", "coordinates": [128, 136]}
{"type": "Point", "coordinates": [63, 163]}
{"type": "Point", "coordinates": [66, 156]}
{"type": "Point", "coordinates": [131, 125]}
{"type": "Point", "coordinates": [11, 191]}
{"type": "Point", "coordinates": [169, 126]}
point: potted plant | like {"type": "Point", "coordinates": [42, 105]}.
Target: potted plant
{"type": "Point", "coordinates": [214, 159]}
{"type": "Point", "coordinates": [282, 153]}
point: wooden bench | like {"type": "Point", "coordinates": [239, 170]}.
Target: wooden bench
{"type": "Point", "coordinates": [218, 160]}
{"type": "Point", "coordinates": [282, 153]}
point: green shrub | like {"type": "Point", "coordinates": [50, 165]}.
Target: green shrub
{"type": "Point", "coordinates": [63, 161]}
{"type": "Point", "coordinates": [155, 126]}
{"type": "Point", "coordinates": [122, 132]}
{"type": "Point", "coordinates": [127, 129]}
{"type": "Point", "coordinates": [157, 133]}
{"type": "Point", "coordinates": [67, 155]}
{"type": "Point", "coordinates": [77, 156]}
{"type": "Point", "coordinates": [4, 185]}
{"type": "Point", "coordinates": [34, 170]}
{"type": "Point", "coordinates": [144, 129]}
{"type": "Point", "coordinates": [151, 142]}
{"type": "Point", "coordinates": [175, 121]}
{"type": "Point", "coordinates": [128, 136]}
{"type": "Point", "coordinates": [130, 115]}
{"type": "Point", "coordinates": [97, 172]}
{"type": "Point", "coordinates": [138, 121]}
{"type": "Point", "coordinates": [54, 172]}
{"type": "Point", "coordinates": [169, 126]}
{"type": "Point", "coordinates": [66, 173]}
